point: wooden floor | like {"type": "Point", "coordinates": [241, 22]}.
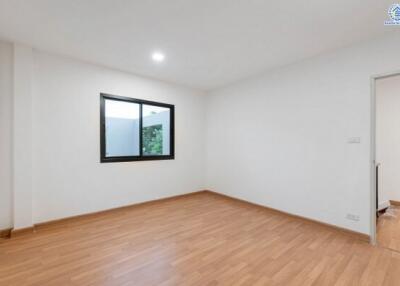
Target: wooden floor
{"type": "Point", "coordinates": [202, 239]}
{"type": "Point", "coordinates": [388, 229]}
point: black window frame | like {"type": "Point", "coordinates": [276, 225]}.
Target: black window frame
{"type": "Point", "coordinates": [140, 157]}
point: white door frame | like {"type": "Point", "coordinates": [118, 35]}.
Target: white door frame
{"type": "Point", "coordinates": [373, 152]}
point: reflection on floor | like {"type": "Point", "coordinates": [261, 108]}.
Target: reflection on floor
{"type": "Point", "coordinates": [389, 228]}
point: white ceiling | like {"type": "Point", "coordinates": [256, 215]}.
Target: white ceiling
{"type": "Point", "coordinates": [208, 43]}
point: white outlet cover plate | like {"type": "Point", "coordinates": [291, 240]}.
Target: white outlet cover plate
{"type": "Point", "coordinates": [354, 140]}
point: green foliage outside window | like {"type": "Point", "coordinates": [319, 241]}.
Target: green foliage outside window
{"type": "Point", "coordinates": [152, 140]}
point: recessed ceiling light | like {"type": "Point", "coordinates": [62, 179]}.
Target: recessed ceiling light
{"type": "Point", "coordinates": [158, 57]}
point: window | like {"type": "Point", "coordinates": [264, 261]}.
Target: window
{"type": "Point", "coordinates": [135, 130]}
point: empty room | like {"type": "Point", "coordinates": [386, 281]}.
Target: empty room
{"type": "Point", "coordinates": [204, 143]}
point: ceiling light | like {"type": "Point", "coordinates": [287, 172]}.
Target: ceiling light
{"type": "Point", "coordinates": [158, 57]}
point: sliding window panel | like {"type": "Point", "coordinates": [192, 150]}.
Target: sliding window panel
{"type": "Point", "coordinates": [156, 130]}
{"type": "Point", "coordinates": [122, 128]}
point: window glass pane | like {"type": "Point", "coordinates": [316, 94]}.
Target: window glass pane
{"type": "Point", "coordinates": [122, 128]}
{"type": "Point", "coordinates": [156, 130]}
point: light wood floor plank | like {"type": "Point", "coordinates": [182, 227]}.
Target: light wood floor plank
{"type": "Point", "coordinates": [388, 228]}
{"type": "Point", "coordinates": [201, 239]}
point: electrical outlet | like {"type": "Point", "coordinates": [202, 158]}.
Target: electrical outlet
{"type": "Point", "coordinates": [354, 140]}
{"type": "Point", "coordinates": [353, 217]}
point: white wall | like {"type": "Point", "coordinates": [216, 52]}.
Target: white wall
{"type": "Point", "coordinates": [281, 139]}
{"type": "Point", "coordinates": [50, 139]}
{"type": "Point", "coordinates": [388, 137]}
{"type": "Point", "coordinates": [6, 63]}
{"type": "Point", "coordinates": [67, 176]}
{"type": "Point", "coordinates": [22, 136]}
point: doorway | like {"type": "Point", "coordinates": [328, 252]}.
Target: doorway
{"type": "Point", "coordinates": [387, 161]}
